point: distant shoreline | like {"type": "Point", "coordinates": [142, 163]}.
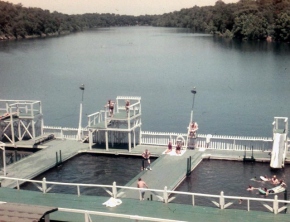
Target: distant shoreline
{"type": "Point", "coordinates": [11, 37]}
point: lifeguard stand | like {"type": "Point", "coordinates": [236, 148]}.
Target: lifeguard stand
{"type": "Point", "coordinates": [20, 120]}
{"type": "Point", "coordinates": [123, 127]}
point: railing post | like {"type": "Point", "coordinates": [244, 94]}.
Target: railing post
{"type": "Point", "coordinates": [193, 202]}
{"type": "Point", "coordinates": [18, 187]}
{"type": "Point", "coordinates": [165, 195]}
{"type": "Point", "coordinates": [114, 190]}
{"type": "Point", "coordinates": [79, 192]}
{"type": "Point", "coordinates": [44, 185]}
{"type": "Point", "coordinates": [222, 200]}
{"type": "Point", "coordinates": [248, 205]}
{"type": "Point", "coordinates": [275, 204]}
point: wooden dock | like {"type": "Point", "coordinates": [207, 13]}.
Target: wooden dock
{"type": "Point", "coordinates": [170, 211]}
{"type": "Point", "coordinates": [43, 160]}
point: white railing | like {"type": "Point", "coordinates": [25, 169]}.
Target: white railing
{"type": "Point", "coordinates": [163, 195]}
{"type": "Point", "coordinates": [63, 132]}
{"type": "Point", "coordinates": [220, 142]}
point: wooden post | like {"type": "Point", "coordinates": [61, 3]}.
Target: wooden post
{"type": "Point", "coordinates": [107, 142]}
{"type": "Point", "coordinates": [44, 185]}
{"type": "Point", "coordinates": [275, 205]}
{"type": "Point", "coordinates": [165, 195]}
{"type": "Point", "coordinates": [114, 190]}
{"type": "Point", "coordinates": [222, 200]}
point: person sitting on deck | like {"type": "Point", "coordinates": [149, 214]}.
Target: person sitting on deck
{"type": "Point", "coordinates": [178, 147]}
{"type": "Point", "coordinates": [193, 129]}
{"type": "Point", "coordinates": [127, 106]}
{"type": "Point", "coordinates": [275, 180]}
{"type": "Point", "coordinates": [110, 104]}
{"type": "Point", "coordinates": [169, 147]}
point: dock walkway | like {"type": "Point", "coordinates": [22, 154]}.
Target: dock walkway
{"type": "Point", "coordinates": [156, 209]}
{"type": "Point", "coordinates": [41, 161]}
{"type": "Point", "coordinates": [167, 171]}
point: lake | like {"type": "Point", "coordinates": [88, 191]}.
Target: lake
{"type": "Point", "coordinates": [241, 86]}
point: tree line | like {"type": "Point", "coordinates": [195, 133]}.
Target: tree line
{"type": "Point", "coordinates": [246, 19]}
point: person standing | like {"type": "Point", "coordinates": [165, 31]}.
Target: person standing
{"type": "Point", "coordinates": [142, 185]}
{"type": "Point", "coordinates": [146, 157]}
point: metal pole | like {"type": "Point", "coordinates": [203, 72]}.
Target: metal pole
{"type": "Point", "coordinates": [193, 91]}
{"type": "Point", "coordinates": [79, 136]}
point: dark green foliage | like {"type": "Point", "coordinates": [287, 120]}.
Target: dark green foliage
{"type": "Point", "coordinates": [20, 22]}
{"type": "Point", "coordinates": [247, 19]}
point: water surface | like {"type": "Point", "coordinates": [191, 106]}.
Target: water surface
{"type": "Point", "coordinates": [241, 86]}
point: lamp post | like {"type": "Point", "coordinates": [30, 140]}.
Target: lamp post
{"type": "Point", "coordinates": [193, 91]}
{"type": "Point", "coordinates": [79, 136]}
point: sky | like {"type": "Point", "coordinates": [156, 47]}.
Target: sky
{"type": "Point", "coordinates": [122, 7]}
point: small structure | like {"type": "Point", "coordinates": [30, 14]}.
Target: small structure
{"type": "Point", "coordinates": [24, 212]}
{"type": "Point", "coordinates": [280, 142]}
{"type": "Point", "coordinates": [123, 127]}
{"type": "Point", "coordinates": [20, 120]}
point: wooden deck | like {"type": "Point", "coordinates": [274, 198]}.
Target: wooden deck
{"type": "Point", "coordinates": [42, 160]}
{"type": "Point", "coordinates": [167, 171]}
{"type": "Point", "coordinates": [155, 209]}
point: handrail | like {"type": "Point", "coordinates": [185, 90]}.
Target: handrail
{"type": "Point", "coordinates": [164, 194]}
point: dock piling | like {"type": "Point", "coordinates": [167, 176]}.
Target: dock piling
{"type": "Point", "coordinates": [188, 171]}
{"type": "Point", "coordinates": [56, 156]}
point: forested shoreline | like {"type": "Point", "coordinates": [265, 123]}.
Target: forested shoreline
{"type": "Point", "coordinates": [247, 19]}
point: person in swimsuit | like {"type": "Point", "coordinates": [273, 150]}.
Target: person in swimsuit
{"type": "Point", "coordinates": [169, 147]}
{"type": "Point", "coordinates": [146, 157]}
{"type": "Point", "coordinates": [110, 104]}
{"type": "Point", "coordinates": [193, 129]}
{"type": "Point", "coordinates": [142, 185]}
{"type": "Point", "coordinates": [178, 148]}
{"type": "Point", "coordinates": [275, 180]}
{"type": "Point", "coordinates": [127, 106]}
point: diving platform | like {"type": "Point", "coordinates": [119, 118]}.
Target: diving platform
{"type": "Point", "coordinates": [120, 122]}
{"type": "Point", "coordinates": [20, 120]}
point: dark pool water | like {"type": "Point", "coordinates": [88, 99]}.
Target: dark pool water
{"type": "Point", "coordinates": [210, 177]}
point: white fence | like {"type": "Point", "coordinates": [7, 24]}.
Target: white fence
{"type": "Point", "coordinates": [220, 142]}
{"type": "Point", "coordinates": [163, 195]}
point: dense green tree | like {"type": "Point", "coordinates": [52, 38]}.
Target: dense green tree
{"type": "Point", "coordinates": [282, 27]}
{"type": "Point", "coordinates": [246, 19]}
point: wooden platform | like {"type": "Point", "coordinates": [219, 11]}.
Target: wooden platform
{"type": "Point", "coordinates": [42, 160]}
{"type": "Point", "coordinates": [166, 171]}
{"type": "Point", "coordinates": [155, 209]}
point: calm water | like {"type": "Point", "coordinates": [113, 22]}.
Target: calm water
{"type": "Point", "coordinates": [241, 86]}
{"type": "Point", "coordinates": [210, 177]}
